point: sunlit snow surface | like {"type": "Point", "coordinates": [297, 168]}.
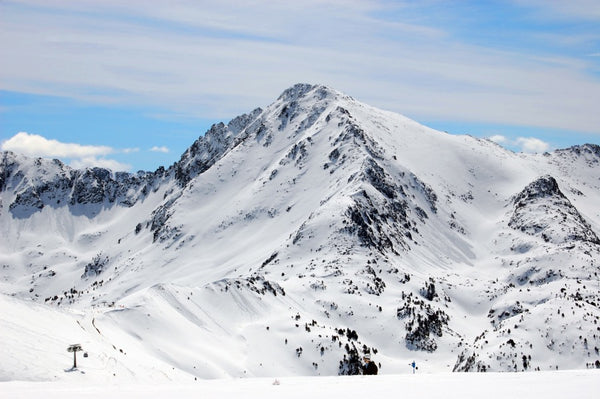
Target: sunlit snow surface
{"type": "Point", "coordinates": [543, 385]}
{"type": "Point", "coordinates": [288, 237]}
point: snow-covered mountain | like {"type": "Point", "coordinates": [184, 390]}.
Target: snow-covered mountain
{"type": "Point", "coordinates": [296, 238]}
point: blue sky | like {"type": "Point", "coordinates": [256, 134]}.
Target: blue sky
{"type": "Point", "coordinates": [130, 85]}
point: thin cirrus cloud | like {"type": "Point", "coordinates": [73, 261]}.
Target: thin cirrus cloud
{"type": "Point", "coordinates": [81, 156]}
{"type": "Point", "coordinates": [560, 9]}
{"type": "Point", "coordinates": [403, 56]}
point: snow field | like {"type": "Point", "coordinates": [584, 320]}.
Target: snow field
{"type": "Point", "coordinates": [538, 385]}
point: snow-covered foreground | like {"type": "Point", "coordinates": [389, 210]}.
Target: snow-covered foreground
{"type": "Point", "coordinates": [559, 384]}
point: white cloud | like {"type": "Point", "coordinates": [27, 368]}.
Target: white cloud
{"type": "Point", "coordinates": [88, 162]}
{"type": "Point", "coordinates": [498, 138]}
{"type": "Point", "coordinates": [532, 144]}
{"type": "Point", "coordinates": [37, 146]}
{"type": "Point", "coordinates": [81, 156]}
{"type": "Point", "coordinates": [162, 149]}
{"type": "Point", "coordinates": [521, 144]}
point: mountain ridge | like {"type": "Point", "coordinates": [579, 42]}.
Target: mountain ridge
{"type": "Point", "coordinates": [299, 236]}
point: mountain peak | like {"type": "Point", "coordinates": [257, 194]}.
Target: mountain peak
{"type": "Point", "coordinates": [302, 90]}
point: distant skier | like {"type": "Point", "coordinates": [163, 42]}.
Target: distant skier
{"type": "Point", "coordinates": [369, 368]}
{"type": "Point", "coordinates": [414, 366]}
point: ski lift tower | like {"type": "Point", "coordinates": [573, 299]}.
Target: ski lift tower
{"type": "Point", "coordinates": [74, 348]}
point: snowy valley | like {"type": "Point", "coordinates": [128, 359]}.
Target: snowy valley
{"type": "Point", "coordinates": [291, 241]}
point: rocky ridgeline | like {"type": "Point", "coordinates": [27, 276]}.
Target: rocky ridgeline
{"type": "Point", "coordinates": [588, 152]}
{"type": "Point", "coordinates": [38, 183]}
{"type": "Point", "coordinates": [208, 149]}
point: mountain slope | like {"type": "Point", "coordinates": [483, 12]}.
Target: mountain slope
{"type": "Point", "coordinates": [295, 238]}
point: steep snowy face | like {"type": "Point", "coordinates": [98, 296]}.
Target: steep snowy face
{"type": "Point", "coordinates": [301, 236]}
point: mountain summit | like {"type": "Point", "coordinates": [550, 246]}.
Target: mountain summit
{"type": "Point", "coordinates": [296, 238]}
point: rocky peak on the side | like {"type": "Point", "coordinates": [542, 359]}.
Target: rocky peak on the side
{"type": "Point", "coordinates": [545, 186]}
{"type": "Point", "coordinates": [542, 210]}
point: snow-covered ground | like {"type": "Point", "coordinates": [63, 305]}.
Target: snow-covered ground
{"type": "Point", "coordinates": [583, 384]}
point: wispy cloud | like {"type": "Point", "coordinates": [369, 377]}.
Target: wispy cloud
{"type": "Point", "coordinates": [565, 10]}
{"type": "Point", "coordinates": [162, 149]}
{"type": "Point", "coordinates": [81, 156]}
{"type": "Point", "coordinates": [522, 144]}
{"type": "Point", "coordinates": [220, 59]}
